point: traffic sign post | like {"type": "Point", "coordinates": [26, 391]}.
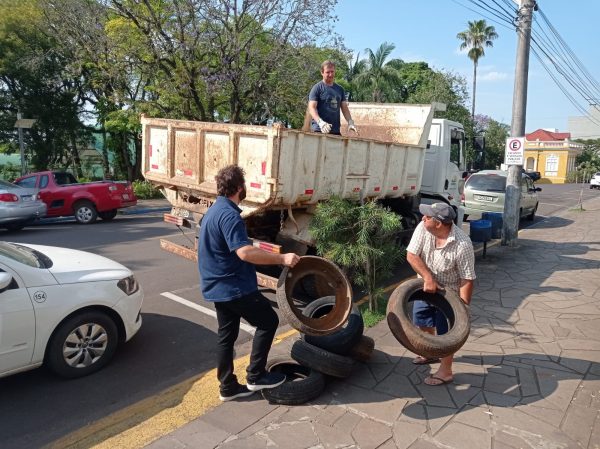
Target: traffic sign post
{"type": "Point", "coordinates": [20, 124]}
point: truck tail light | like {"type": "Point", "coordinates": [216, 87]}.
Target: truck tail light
{"type": "Point", "coordinates": [9, 197]}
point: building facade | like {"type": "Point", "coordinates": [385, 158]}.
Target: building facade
{"type": "Point", "coordinates": [551, 153]}
{"type": "Point", "coordinates": [586, 127]}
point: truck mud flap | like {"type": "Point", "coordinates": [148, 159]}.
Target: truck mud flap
{"type": "Point", "coordinates": [330, 273]}
{"type": "Point", "coordinates": [399, 318]}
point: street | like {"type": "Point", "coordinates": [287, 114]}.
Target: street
{"type": "Point", "coordinates": [175, 342]}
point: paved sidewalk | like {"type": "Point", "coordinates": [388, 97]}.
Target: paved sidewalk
{"type": "Point", "coordinates": [528, 377]}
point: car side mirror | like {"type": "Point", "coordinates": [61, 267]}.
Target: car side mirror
{"type": "Point", "coordinates": [5, 280]}
{"type": "Point", "coordinates": [538, 189]}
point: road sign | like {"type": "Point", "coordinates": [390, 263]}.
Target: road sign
{"type": "Point", "coordinates": [515, 149]}
{"type": "Point", "coordinates": [24, 123]}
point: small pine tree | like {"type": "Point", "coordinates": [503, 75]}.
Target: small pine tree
{"type": "Point", "coordinates": [359, 237]}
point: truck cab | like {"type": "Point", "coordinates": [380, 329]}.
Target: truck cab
{"type": "Point", "coordinates": [444, 163]}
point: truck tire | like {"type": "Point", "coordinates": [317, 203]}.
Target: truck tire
{"type": "Point", "coordinates": [341, 341]}
{"type": "Point", "coordinates": [85, 212]}
{"type": "Point", "coordinates": [411, 337]}
{"type": "Point", "coordinates": [321, 360]}
{"type": "Point", "coordinates": [108, 215]}
{"type": "Point", "coordinates": [301, 384]}
{"type": "Point", "coordinates": [313, 265]}
{"type": "Point", "coordinates": [363, 350]}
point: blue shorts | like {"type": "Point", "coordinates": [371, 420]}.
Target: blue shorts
{"type": "Point", "coordinates": [426, 315]}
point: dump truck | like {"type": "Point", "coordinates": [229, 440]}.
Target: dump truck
{"type": "Point", "coordinates": [403, 157]}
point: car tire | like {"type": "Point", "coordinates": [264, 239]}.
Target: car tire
{"type": "Point", "coordinates": [108, 215]}
{"type": "Point", "coordinates": [341, 341]}
{"type": "Point", "coordinates": [531, 216]}
{"type": "Point", "coordinates": [301, 385]}
{"type": "Point", "coordinates": [14, 227]}
{"type": "Point", "coordinates": [413, 338]}
{"type": "Point", "coordinates": [82, 344]}
{"type": "Point", "coordinates": [321, 360]}
{"type": "Point", "coordinates": [85, 212]}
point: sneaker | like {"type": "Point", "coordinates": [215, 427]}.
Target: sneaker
{"type": "Point", "coordinates": [267, 380]}
{"type": "Point", "coordinates": [241, 391]}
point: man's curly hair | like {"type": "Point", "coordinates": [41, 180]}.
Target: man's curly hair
{"type": "Point", "coordinates": [229, 180]}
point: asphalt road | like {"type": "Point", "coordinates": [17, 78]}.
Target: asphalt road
{"type": "Point", "coordinates": [175, 342]}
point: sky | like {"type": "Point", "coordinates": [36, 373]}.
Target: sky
{"type": "Point", "coordinates": [426, 31]}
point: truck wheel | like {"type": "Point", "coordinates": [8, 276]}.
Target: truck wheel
{"type": "Point", "coordinates": [82, 344]}
{"type": "Point", "coordinates": [342, 341]}
{"type": "Point", "coordinates": [301, 383]}
{"type": "Point", "coordinates": [430, 346]}
{"type": "Point", "coordinates": [531, 216]}
{"type": "Point", "coordinates": [321, 360]}
{"type": "Point", "coordinates": [85, 212]}
{"type": "Point", "coordinates": [108, 215]}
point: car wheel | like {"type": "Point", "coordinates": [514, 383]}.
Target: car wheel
{"type": "Point", "coordinates": [531, 216]}
{"type": "Point", "coordinates": [108, 215]}
{"type": "Point", "coordinates": [85, 212]}
{"type": "Point", "coordinates": [14, 227]}
{"type": "Point", "coordinates": [82, 344]}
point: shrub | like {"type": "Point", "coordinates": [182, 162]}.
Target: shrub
{"type": "Point", "coordinates": [360, 238]}
{"type": "Point", "coordinates": [144, 190]}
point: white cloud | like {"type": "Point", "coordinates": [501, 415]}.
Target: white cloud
{"type": "Point", "coordinates": [492, 76]}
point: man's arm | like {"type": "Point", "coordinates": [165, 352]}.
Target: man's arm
{"type": "Point", "coordinates": [466, 290]}
{"type": "Point", "coordinates": [258, 256]}
{"type": "Point", "coordinates": [312, 109]}
{"type": "Point", "coordinates": [430, 285]}
{"type": "Point", "coordinates": [346, 111]}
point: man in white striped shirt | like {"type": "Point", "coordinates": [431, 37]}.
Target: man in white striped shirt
{"type": "Point", "coordinates": [442, 254]}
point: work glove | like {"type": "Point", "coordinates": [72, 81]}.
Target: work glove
{"type": "Point", "coordinates": [351, 126]}
{"type": "Point", "coordinates": [324, 126]}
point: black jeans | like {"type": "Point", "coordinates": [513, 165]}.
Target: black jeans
{"type": "Point", "coordinates": [256, 310]}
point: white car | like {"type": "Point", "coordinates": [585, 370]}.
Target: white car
{"type": "Point", "coordinates": [595, 181]}
{"type": "Point", "coordinates": [64, 308]}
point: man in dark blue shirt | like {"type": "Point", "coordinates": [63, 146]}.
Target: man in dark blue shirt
{"type": "Point", "coordinates": [228, 278]}
{"type": "Point", "coordinates": [325, 100]}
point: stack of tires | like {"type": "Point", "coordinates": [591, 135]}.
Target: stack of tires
{"type": "Point", "coordinates": [315, 357]}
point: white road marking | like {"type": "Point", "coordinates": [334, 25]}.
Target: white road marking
{"type": "Point", "coordinates": [204, 310]}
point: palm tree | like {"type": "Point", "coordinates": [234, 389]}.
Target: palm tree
{"type": "Point", "coordinates": [476, 38]}
{"type": "Point", "coordinates": [380, 77]}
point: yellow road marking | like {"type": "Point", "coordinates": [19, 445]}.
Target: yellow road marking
{"type": "Point", "coordinates": [149, 419]}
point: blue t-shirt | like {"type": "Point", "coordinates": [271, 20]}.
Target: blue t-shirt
{"type": "Point", "coordinates": [223, 275]}
{"type": "Point", "coordinates": [329, 101]}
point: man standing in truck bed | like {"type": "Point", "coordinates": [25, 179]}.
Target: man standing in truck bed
{"type": "Point", "coordinates": [325, 100]}
{"type": "Point", "coordinates": [226, 261]}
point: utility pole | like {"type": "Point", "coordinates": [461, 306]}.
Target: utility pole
{"type": "Point", "coordinates": [510, 224]}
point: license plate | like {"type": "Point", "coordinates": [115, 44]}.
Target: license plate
{"type": "Point", "coordinates": [27, 197]}
{"type": "Point", "coordinates": [487, 199]}
{"type": "Point", "coordinates": [126, 196]}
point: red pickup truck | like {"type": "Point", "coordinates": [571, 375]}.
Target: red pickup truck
{"type": "Point", "coordinates": [87, 201]}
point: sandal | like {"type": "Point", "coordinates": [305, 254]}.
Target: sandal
{"type": "Point", "coordinates": [434, 381]}
{"type": "Point", "coordinates": [425, 360]}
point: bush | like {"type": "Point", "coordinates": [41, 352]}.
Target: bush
{"type": "Point", "coordinates": [360, 238]}
{"type": "Point", "coordinates": [145, 190]}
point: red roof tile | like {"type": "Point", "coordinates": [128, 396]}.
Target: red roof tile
{"type": "Point", "coordinates": [546, 136]}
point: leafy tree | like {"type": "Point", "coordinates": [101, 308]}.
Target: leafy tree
{"type": "Point", "coordinates": [379, 77]}
{"type": "Point", "coordinates": [478, 36]}
{"type": "Point", "coordinates": [588, 162]}
{"type": "Point", "coordinates": [495, 134]}
{"type": "Point", "coordinates": [360, 237]}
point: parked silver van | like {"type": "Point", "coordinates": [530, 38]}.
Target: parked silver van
{"type": "Point", "coordinates": [485, 191]}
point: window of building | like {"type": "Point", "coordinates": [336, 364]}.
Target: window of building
{"type": "Point", "coordinates": [551, 165]}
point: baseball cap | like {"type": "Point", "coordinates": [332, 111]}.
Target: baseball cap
{"type": "Point", "coordinates": [440, 211]}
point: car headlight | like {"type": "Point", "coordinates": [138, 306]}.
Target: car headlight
{"type": "Point", "coordinates": [129, 285]}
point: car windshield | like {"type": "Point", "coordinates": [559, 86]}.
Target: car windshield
{"type": "Point", "coordinates": [488, 183]}
{"type": "Point", "coordinates": [24, 255]}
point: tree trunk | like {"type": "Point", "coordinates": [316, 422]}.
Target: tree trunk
{"type": "Point", "coordinates": [474, 88]}
{"type": "Point", "coordinates": [76, 158]}
{"type": "Point", "coordinates": [105, 167]}
{"type": "Point", "coordinates": [137, 168]}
